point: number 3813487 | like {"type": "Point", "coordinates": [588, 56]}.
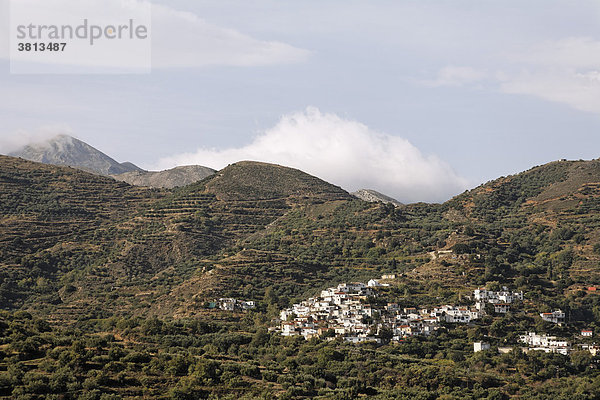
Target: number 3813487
{"type": "Point", "coordinates": [41, 46]}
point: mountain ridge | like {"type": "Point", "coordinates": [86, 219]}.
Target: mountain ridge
{"type": "Point", "coordinates": [69, 151]}
{"type": "Point", "coordinates": [258, 180]}
{"type": "Point", "coordinates": [254, 214]}
{"type": "Point", "coordinates": [167, 179]}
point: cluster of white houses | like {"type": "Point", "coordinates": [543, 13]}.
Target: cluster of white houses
{"type": "Point", "coordinates": [343, 311]}
{"type": "Point", "coordinates": [230, 304]}
{"type": "Point", "coordinates": [502, 300]}
{"type": "Point", "coordinates": [548, 344]}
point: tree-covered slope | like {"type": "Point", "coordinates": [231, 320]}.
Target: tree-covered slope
{"type": "Point", "coordinates": [55, 220]}
{"type": "Point", "coordinates": [75, 242]}
{"type": "Point", "coordinates": [248, 180]}
{"type": "Point", "coordinates": [78, 242]}
{"type": "Point", "coordinates": [116, 282]}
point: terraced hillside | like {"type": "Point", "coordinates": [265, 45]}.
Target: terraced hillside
{"type": "Point", "coordinates": [248, 180]}
{"type": "Point", "coordinates": [193, 232]}
{"type": "Point", "coordinates": [79, 242]}
{"type": "Point", "coordinates": [122, 278]}
{"type": "Point", "coordinates": [78, 246]}
{"type": "Point", "coordinates": [546, 212]}
{"type": "Point", "coordinates": [54, 219]}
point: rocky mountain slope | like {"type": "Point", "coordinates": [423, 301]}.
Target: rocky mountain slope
{"type": "Point", "coordinates": [69, 151]}
{"type": "Point", "coordinates": [373, 196]}
{"type": "Point", "coordinates": [66, 150]}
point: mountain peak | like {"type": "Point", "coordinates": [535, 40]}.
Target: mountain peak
{"type": "Point", "coordinates": [67, 150]}
{"type": "Point", "coordinates": [250, 180]}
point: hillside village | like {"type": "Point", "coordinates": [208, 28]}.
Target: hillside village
{"type": "Point", "coordinates": [347, 311]}
{"type": "Point", "coordinates": [200, 328]}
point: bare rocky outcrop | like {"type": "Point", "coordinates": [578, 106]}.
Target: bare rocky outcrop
{"type": "Point", "coordinates": [374, 196]}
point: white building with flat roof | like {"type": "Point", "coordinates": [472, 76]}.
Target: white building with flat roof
{"type": "Point", "coordinates": [556, 317]}
{"type": "Point", "coordinates": [480, 346]}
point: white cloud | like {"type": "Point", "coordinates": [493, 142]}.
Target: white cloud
{"type": "Point", "coordinates": [456, 76]}
{"type": "Point", "coordinates": [179, 39]}
{"type": "Point", "coordinates": [10, 142]}
{"type": "Point", "coordinates": [566, 71]}
{"type": "Point", "coordinates": [343, 152]}
{"type": "Point", "coordinates": [4, 22]}
{"type": "Point", "coordinates": [182, 39]}
{"type": "Point", "coordinates": [571, 52]}
{"type": "Point", "coordinates": [578, 90]}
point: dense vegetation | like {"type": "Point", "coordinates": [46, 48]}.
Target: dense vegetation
{"type": "Point", "coordinates": [105, 285]}
{"type": "Point", "coordinates": [233, 356]}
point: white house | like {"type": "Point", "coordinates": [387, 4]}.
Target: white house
{"type": "Point", "coordinates": [548, 344]}
{"type": "Point", "coordinates": [453, 314]}
{"type": "Point", "coordinates": [227, 304]}
{"type": "Point", "coordinates": [248, 305]}
{"type": "Point", "coordinates": [556, 317]}
{"type": "Point", "coordinates": [480, 346]}
{"type": "Point", "coordinates": [289, 329]}
{"type": "Point", "coordinates": [501, 308]}
{"type": "Point", "coordinates": [592, 348]}
{"type": "Point", "coordinates": [502, 296]}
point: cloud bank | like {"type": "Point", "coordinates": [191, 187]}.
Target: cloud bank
{"type": "Point", "coordinates": [10, 142]}
{"type": "Point", "coordinates": [180, 39]}
{"type": "Point", "coordinates": [341, 151]}
{"type": "Point", "coordinates": [452, 75]}
{"type": "Point", "coordinates": [564, 71]}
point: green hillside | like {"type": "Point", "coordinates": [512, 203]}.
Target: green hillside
{"type": "Point", "coordinates": [79, 242]}
{"type": "Point", "coordinates": [248, 180]}
{"type": "Point", "coordinates": [107, 287]}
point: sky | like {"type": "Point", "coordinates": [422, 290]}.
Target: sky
{"type": "Point", "coordinates": [417, 100]}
